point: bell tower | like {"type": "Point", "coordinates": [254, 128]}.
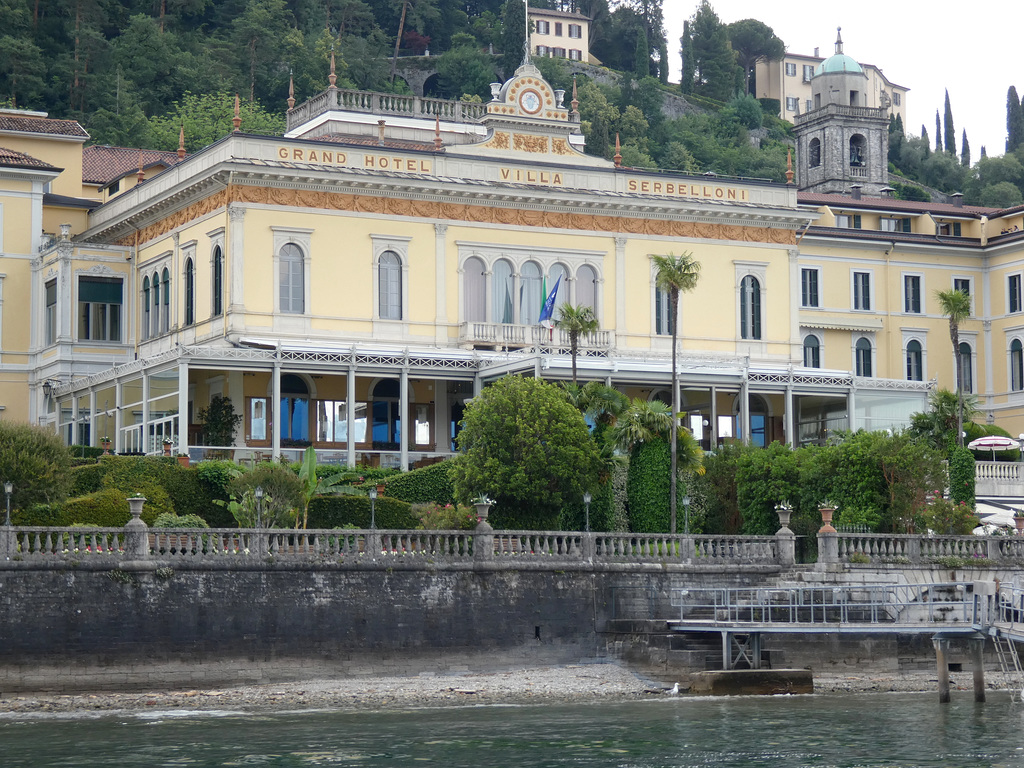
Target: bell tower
{"type": "Point", "coordinates": [841, 141]}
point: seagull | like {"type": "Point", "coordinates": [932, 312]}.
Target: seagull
{"type": "Point", "coordinates": [675, 690]}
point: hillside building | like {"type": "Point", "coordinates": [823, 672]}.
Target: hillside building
{"type": "Point", "coordinates": [560, 35]}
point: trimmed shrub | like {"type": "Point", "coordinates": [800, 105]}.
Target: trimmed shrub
{"type": "Point", "coordinates": [282, 489]}
{"type": "Point", "coordinates": [339, 511]}
{"type": "Point", "coordinates": [961, 476]}
{"type": "Point", "coordinates": [84, 452]}
{"type": "Point", "coordinates": [108, 508]}
{"type": "Point", "coordinates": [36, 461]}
{"type": "Point", "coordinates": [444, 517]}
{"type": "Point", "coordinates": [215, 477]}
{"type": "Point", "coordinates": [171, 520]}
{"type": "Point", "coordinates": [648, 487]}
{"type": "Point", "coordinates": [426, 485]}
{"type": "Point", "coordinates": [87, 479]}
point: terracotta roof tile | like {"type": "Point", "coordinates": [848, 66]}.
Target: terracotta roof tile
{"type": "Point", "coordinates": [9, 122]}
{"type": "Point", "coordinates": [888, 203]}
{"type": "Point", "coordinates": [11, 159]}
{"type": "Point", "coordinates": [102, 164]}
{"type": "Point", "coordinates": [372, 141]}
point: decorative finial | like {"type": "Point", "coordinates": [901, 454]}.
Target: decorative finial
{"type": "Point", "coordinates": [839, 39]}
{"type": "Point", "coordinates": [575, 102]}
{"type": "Point", "coordinates": [526, 41]}
{"type": "Point", "coordinates": [618, 154]}
{"type": "Point", "coordinates": [237, 119]}
{"type": "Point", "coordinates": [140, 174]}
{"type": "Point", "coordinates": [181, 142]}
{"type": "Point", "coordinates": [789, 166]}
{"type": "Point", "coordinates": [380, 132]}
{"type": "Point", "coordinates": [291, 90]}
{"type": "Point", "coordinates": [332, 78]}
{"type": "Point", "coordinates": [437, 132]}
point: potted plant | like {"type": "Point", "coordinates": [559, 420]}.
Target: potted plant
{"type": "Point", "coordinates": [105, 445]}
{"type": "Point", "coordinates": [482, 504]}
{"type": "Point", "coordinates": [219, 422]}
{"type": "Point", "coordinates": [168, 442]}
{"type": "Point", "coordinates": [1018, 521]}
{"type": "Point", "coordinates": [183, 460]}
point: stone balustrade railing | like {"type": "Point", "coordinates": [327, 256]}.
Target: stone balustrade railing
{"type": "Point", "coordinates": [203, 545]}
{"type": "Point", "coordinates": [916, 549]}
{"type": "Point", "coordinates": [385, 104]}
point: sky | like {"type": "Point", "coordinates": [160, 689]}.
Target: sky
{"type": "Point", "coordinates": [929, 48]}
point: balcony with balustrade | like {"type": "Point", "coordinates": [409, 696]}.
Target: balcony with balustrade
{"type": "Point", "coordinates": [483, 335]}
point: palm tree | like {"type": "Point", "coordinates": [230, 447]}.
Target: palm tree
{"type": "Point", "coordinates": [675, 274]}
{"type": "Point", "coordinates": [956, 305]}
{"type": "Point", "coordinates": [576, 321]}
{"type": "Point", "coordinates": [643, 421]}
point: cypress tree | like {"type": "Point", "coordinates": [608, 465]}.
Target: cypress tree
{"type": "Point", "coordinates": [513, 36]}
{"type": "Point", "coordinates": [938, 132]}
{"type": "Point", "coordinates": [924, 135]}
{"type": "Point", "coordinates": [948, 130]}
{"type": "Point", "coordinates": [1014, 121]}
{"type": "Point", "coordinates": [642, 56]}
{"type": "Point", "coordinates": [663, 62]}
{"type": "Point", "coordinates": [984, 154]}
{"type": "Point", "coordinates": [686, 49]}
{"type": "Point", "coordinates": [965, 151]}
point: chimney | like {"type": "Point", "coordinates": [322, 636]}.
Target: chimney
{"type": "Point", "coordinates": [380, 132]}
{"type": "Point", "coordinates": [887, 191]}
{"type": "Point", "coordinates": [855, 191]}
{"type": "Point", "coordinates": [958, 199]}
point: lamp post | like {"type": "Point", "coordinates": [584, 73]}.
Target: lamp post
{"type": "Point", "coordinates": [373, 508]}
{"type": "Point", "coordinates": [586, 504]}
{"type": "Point", "coordinates": [258, 493]}
{"type": "Point", "coordinates": [8, 489]}
{"type": "Point", "coordinates": [686, 514]}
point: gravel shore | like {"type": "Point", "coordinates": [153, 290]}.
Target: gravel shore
{"type": "Point", "coordinates": [582, 682]}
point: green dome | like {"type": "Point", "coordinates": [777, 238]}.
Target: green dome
{"type": "Point", "coordinates": [839, 62]}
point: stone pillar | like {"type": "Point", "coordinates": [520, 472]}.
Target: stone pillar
{"type": "Point", "coordinates": [183, 407]}
{"type": "Point", "coordinates": [405, 426]}
{"type": "Point", "coordinates": [8, 542]}
{"type": "Point", "coordinates": [977, 662]}
{"type": "Point", "coordinates": [483, 535]}
{"type": "Point", "coordinates": [589, 546]}
{"type": "Point", "coordinates": [440, 284]}
{"type": "Point", "coordinates": [145, 413]}
{"type": "Point", "coordinates": [785, 539]}
{"type": "Point", "coordinates": [275, 407]}
{"type": "Point", "coordinates": [350, 416]}
{"type": "Point", "coordinates": [942, 666]}
{"type": "Point", "coordinates": [136, 532]}
{"type": "Point", "coordinates": [828, 539]}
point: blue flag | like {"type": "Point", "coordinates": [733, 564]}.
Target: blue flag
{"type": "Point", "coordinates": [549, 306]}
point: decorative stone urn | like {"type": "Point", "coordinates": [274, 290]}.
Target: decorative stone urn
{"type": "Point", "coordinates": [105, 445]}
{"type": "Point", "coordinates": [826, 519]}
{"type": "Point", "coordinates": [784, 514]}
{"type": "Point", "coordinates": [167, 449]}
{"type": "Point", "coordinates": [483, 509]}
{"type": "Point", "coordinates": [1019, 522]}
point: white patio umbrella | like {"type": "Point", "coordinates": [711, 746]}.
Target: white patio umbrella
{"type": "Point", "coordinates": [994, 443]}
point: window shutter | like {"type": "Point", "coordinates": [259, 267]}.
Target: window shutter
{"type": "Point", "coordinates": [856, 221]}
{"type": "Point", "coordinates": [956, 229]}
{"type": "Point", "coordinates": [906, 225]}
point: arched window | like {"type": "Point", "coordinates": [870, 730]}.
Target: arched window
{"type": "Point", "coordinates": [294, 408]}
{"type": "Point", "coordinates": [858, 150]}
{"type": "Point", "coordinates": [190, 292]}
{"type": "Point", "coordinates": [915, 361]}
{"type": "Point", "coordinates": [812, 352]}
{"type": "Point", "coordinates": [750, 308]}
{"type": "Point", "coordinates": [663, 320]}
{"type": "Point", "coordinates": [145, 308]}
{"type": "Point", "coordinates": [815, 152]}
{"type": "Point", "coordinates": [863, 354]}
{"type": "Point", "coordinates": [474, 283]}
{"type": "Point", "coordinates": [218, 282]}
{"type": "Point", "coordinates": [586, 287]}
{"type": "Point", "coordinates": [531, 285]}
{"type": "Point", "coordinates": [501, 301]}
{"type": "Point", "coordinates": [390, 286]}
{"type": "Point", "coordinates": [292, 279]}
{"type": "Point", "coordinates": [387, 418]}
{"type": "Point", "coordinates": [165, 314]}
{"type": "Point", "coordinates": [155, 315]}
{"type": "Point", "coordinates": [966, 368]}
{"type": "Point", "coordinates": [1016, 366]}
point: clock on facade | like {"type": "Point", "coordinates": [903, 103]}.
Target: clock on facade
{"type": "Point", "coordinates": [530, 101]}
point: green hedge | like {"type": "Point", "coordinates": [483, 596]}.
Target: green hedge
{"type": "Point", "coordinates": [426, 485]}
{"type": "Point", "coordinates": [961, 476]}
{"type": "Point", "coordinates": [507, 516]}
{"type": "Point", "coordinates": [602, 512]}
{"type": "Point", "coordinates": [87, 478]}
{"type": "Point", "coordinates": [339, 511]}
{"type": "Point", "coordinates": [106, 508]}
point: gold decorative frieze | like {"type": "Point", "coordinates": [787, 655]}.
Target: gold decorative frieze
{"type": "Point", "coordinates": [525, 143]}
{"type": "Point", "coordinates": [429, 209]}
{"type": "Point", "coordinates": [561, 147]}
{"type": "Point", "coordinates": [500, 140]}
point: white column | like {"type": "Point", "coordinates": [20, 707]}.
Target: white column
{"type": "Point", "coordinates": [620, 290]}
{"type": "Point", "coordinates": [851, 405]}
{"type": "Point", "coordinates": [714, 418]}
{"type": "Point", "coordinates": [745, 410]}
{"type": "Point", "coordinates": [236, 259]}
{"type": "Point", "coordinates": [145, 412]}
{"type": "Point", "coordinates": [275, 407]}
{"type": "Point", "coordinates": [92, 416]}
{"type": "Point", "coordinates": [403, 410]}
{"type": "Point", "coordinates": [790, 420]}
{"type": "Point", "coordinates": [350, 416]}
{"type": "Point", "coordinates": [795, 345]}
{"type": "Point", "coordinates": [441, 418]}
{"type": "Point", "coordinates": [183, 407]}
{"type": "Point", "coordinates": [440, 295]}
{"type": "Point", "coordinates": [118, 417]}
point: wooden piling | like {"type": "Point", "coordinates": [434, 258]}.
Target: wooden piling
{"type": "Point", "coordinates": [977, 647]}
{"type": "Point", "coordinates": [941, 647]}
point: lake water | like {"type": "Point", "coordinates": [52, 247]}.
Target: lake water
{"type": "Point", "coordinates": [884, 730]}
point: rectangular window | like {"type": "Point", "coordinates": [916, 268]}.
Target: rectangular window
{"type": "Point", "coordinates": [558, 53]}
{"type": "Point", "coordinates": [953, 229]}
{"type": "Point", "coordinates": [558, 29]}
{"type": "Point", "coordinates": [791, 103]}
{"type": "Point", "coordinates": [543, 27]}
{"type": "Point", "coordinates": [862, 290]}
{"type": "Point", "coordinates": [662, 313]}
{"type": "Point", "coordinates": [887, 224]}
{"type": "Point", "coordinates": [912, 294]}
{"type": "Point", "coordinates": [575, 54]}
{"type": "Point", "coordinates": [962, 284]}
{"type": "Point", "coordinates": [292, 299]}
{"type": "Point", "coordinates": [845, 221]}
{"type": "Point", "coordinates": [790, 69]}
{"type": "Point", "coordinates": [99, 308]}
{"type": "Point", "coordinates": [897, 98]}
{"type": "Point", "coordinates": [808, 72]}
{"type": "Point", "coordinates": [807, 105]}
{"type": "Point", "coordinates": [542, 50]}
{"type": "Point", "coordinates": [576, 31]}
{"type": "Point", "coordinates": [1015, 296]}
{"type": "Point", "coordinates": [51, 312]}
{"type": "Point", "coordinates": [809, 287]}
{"type": "Point", "coordinates": [258, 419]}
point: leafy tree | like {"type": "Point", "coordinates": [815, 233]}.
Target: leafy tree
{"type": "Point", "coordinates": [937, 426]}
{"type": "Point", "coordinates": [206, 119]}
{"type": "Point", "coordinates": [1014, 120]}
{"type": "Point", "coordinates": [1000, 195]}
{"type": "Point", "coordinates": [261, 30]}
{"type": "Point", "coordinates": [416, 12]}
{"type": "Point", "coordinates": [675, 274]}
{"type": "Point", "coordinates": [956, 305]}
{"type": "Point", "coordinates": [753, 40]}
{"type": "Point", "coordinates": [513, 36]}
{"type": "Point", "coordinates": [947, 128]}
{"type": "Point", "coordinates": [311, 485]}
{"type": "Point", "coordinates": [525, 446]}
{"type": "Point", "coordinates": [36, 462]}
{"type": "Point", "coordinates": [576, 321]}
{"type": "Point", "coordinates": [764, 479]}
{"type": "Point", "coordinates": [219, 421]}
{"type": "Point", "coordinates": [464, 69]}
{"type": "Point", "coordinates": [713, 61]}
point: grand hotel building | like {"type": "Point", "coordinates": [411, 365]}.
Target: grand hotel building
{"type": "Point", "coordinates": [353, 283]}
